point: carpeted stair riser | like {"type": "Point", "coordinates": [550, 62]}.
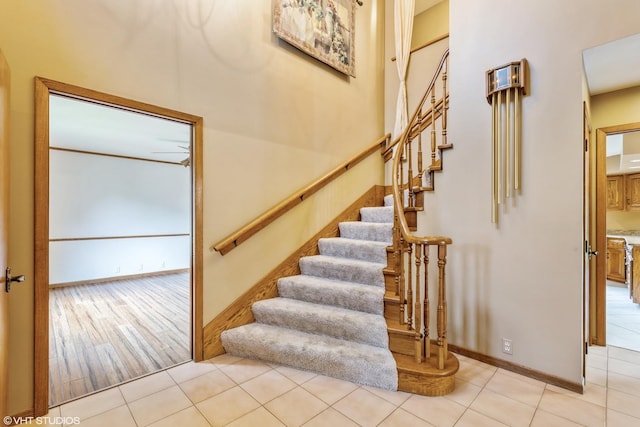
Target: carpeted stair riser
{"type": "Point", "coordinates": [351, 325]}
{"type": "Point", "coordinates": [377, 214]}
{"type": "Point", "coordinates": [330, 318]}
{"type": "Point", "coordinates": [377, 232]}
{"type": "Point", "coordinates": [349, 270]}
{"type": "Point", "coordinates": [359, 363]}
{"type": "Point", "coordinates": [353, 296]}
{"type": "Point", "coordinates": [363, 250]}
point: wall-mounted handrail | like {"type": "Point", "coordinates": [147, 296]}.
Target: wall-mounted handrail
{"type": "Point", "coordinates": [235, 239]}
{"type": "Point", "coordinates": [426, 44]}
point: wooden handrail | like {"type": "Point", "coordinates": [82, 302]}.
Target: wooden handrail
{"type": "Point", "coordinates": [427, 44]}
{"type": "Point", "coordinates": [235, 239]}
{"type": "Point", "coordinates": [412, 251]}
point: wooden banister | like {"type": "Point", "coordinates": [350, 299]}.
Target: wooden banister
{"type": "Point", "coordinates": [411, 250]}
{"type": "Point", "coordinates": [233, 240]}
{"type": "Point", "coordinates": [426, 44]}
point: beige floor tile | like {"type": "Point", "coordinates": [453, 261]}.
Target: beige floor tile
{"type": "Point", "coordinates": [364, 407]}
{"type": "Point", "coordinates": [120, 416]}
{"type": "Point", "coordinates": [159, 405]}
{"type": "Point", "coordinates": [464, 392]}
{"type": "Point", "coordinates": [224, 359]}
{"type": "Point", "coordinates": [593, 393]}
{"type": "Point", "coordinates": [298, 376]}
{"type": "Point", "coordinates": [546, 419]}
{"type": "Point", "coordinates": [259, 417]}
{"type": "Point", "coordinates": [623, 402]}
{"type": "Point", "coordinates": [93, 405]}
{"type": "Point", "coordinates": [189, 370]}
{"type": "Point", "coordinates": [506, 410]}
{"type": "Point", "coordinates": [573, 409]}
{"type": "Point", "coordinates": [598, 361]}
{"type": "Point", "coordinates": [402, 418]}
{"type": "Point", "coordinates": [597, 350]}
{"type": "Point", "coordinates": [205, 386]}
{"type": "Point", "coordinates": [438, 411]}
{"type": "Point", "coordinates": [227, 406]}
{"type": "Point", "coordinates": [296, 407]}
{"type": "Point", "coordinates": [395, 397]}
{"type": "Point", "coordinates": [515, 387]}
{"type": "Point", "coordinates": [142, 387]}
{"type": "Point", "coordinates": [330, 417]}
{"type": "Point", "coordinates": [625, 384]}
{"type": "Point", "coordinates": [268, 386]}
{"type": "Point", "coordinates": [624, 367]}
{"type": "Point", "coordinates": [618, 419]}
{"type": "Point", "coordinates": [596, 376]}
{"type": "Point", "coordinates": [475, 372]}
{"type": "Point", "coordinates": [471, 418]}
{"type": "Point", "coordinates": [190, 417]}
{"type": "Point", "coordinates": [624, 354]}
{"type": "Point", "coordinates": [328, 389]}
{"type": "Point", "coordinates": [245, 369]}
{"type": "Point", "coordinates": [51, 419]}
{"type": "Point", "coordinates": [521, 377]}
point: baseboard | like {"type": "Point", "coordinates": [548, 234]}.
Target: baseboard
{"type": "Point", "coordinates": [19, 418]}
{"type": "Point", "coordinates": [116, 278]}
{"type": "Point", "coordinates": [239, 312]}
{"type": "Point", "coordinates": [518, 369]}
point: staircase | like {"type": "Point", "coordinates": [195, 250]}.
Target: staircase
{"type": "Point", "coordinates": [330, 318]}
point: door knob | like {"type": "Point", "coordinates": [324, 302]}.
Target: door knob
{"type": "Point", "coordinates": [9, 278]}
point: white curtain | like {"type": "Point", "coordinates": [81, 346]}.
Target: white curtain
{"type": "Point", "coordinates": [403, 25]}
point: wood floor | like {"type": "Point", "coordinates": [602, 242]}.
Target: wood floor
{"type": "Point", "coordinates": [104, 334]}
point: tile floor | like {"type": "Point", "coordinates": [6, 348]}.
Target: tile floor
{"type": "Point", "coordinates": [623, 318]}
{"type": "Point", "coordinates": [230, 391]}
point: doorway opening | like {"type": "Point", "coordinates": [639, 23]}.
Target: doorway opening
{"type": "Point", "coordinates": [619, 285]}
{"type": "Point", "coordinates": [118, 277]}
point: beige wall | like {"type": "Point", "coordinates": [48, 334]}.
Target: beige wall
{"type": "Point", "coordinates": [523, 279]}
{"type": "Point", "coordinates": [430, 24]}
{"type": "Point", "coordinates": [274, 120]}
{"type": "Point", "coordinates": [610, 109]}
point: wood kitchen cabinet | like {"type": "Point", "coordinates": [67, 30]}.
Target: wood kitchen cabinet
{"type": "Point", "coordinates": [616, 192]}
{"type": "Point", "coordinates": [632, 185]}
{"type": "Point", "coordinates": [616, 257]}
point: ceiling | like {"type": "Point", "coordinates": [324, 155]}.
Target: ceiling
{"type": "Point", "coordinates": [422, 5]}
{"type": "Point", "coordinates": [613, 66]}
{"type": "Point", "coordinates": [87, 126]}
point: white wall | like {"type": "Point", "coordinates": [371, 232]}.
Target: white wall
{"type": "Point", "coordinates": [523, 279]}
{"type": "Point", "coordinates": [100, 196]}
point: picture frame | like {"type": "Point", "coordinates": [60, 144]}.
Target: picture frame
{"type": "Point", "coordinates": [323, 29]}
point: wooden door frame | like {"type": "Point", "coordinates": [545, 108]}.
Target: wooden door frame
{"type": "Point", "coordinates": [43, 88]}
{"type": "Point", "coordinates": [599, 336]}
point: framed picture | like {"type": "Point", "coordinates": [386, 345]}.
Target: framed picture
{"type": "Point", "coordinates": [323, 29]}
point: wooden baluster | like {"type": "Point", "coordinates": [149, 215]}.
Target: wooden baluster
{"type": "Point", "coordinates": [418, 348]}
{"type": "Point", "coordinates": [445, 105]}
{"type": "Point", "coordinates": [442, 307]}
{"type": "Point", "coordinates": [402, 298]}
{"type": "Point", "coordinates": [410, 173]}
{"type": "Point", "coordinates": [433, 128]}
{"type": "Point", "coordinates": [420, 163]}
{"type": "Point", "coordinates": [407, 279]}
{"type": "Point", "coordinates": [427, 313]}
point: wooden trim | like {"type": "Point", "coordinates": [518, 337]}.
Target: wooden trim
{"type": "Point", "coordinates": [426, 44]}
{"type": "Point", "coordinates": [239, 312]}
{"type": "Point", "coordinates": [43, 88]}
{"type": "Point", "coordinates": [599, 337]}
{"type": "Point", "coordinates": [142, 236]}
{"type": "Point", "coordinates": [230, 242]}
{"type": "Point", "coordinates": [116, 278]}
{"type": "Point", "coordinates": [93, 153]}
{"type": "Point", "coordinates": [518, 369]}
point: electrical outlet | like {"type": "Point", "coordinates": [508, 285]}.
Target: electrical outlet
{"type": "Point", "coordinates": [507, 346]}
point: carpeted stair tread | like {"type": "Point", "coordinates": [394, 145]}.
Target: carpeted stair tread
{"type": "Point", "coordinates": [359, 363]}
{"type": "Point", "coordinates": [364, 250]}
{"type": "Point", "coordinates": [350, 270]}
{"type": "Point", "coordinates": [378, 232]}
{"type": "Point", "coordinates": [388, 200]}
{"type": "Point", "coordinates": [337, 322]}
{"type": "Point", "coordinates": [377, 214]}
{"type": "Point", "coordinates": [319, 290]}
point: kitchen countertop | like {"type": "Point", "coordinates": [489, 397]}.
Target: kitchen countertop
{"type": "Point", "coordinates": [631, 239]}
